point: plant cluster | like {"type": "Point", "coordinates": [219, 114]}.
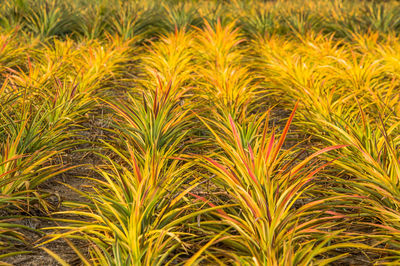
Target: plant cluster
{"type": "Point", "coordinates": [240, 132]}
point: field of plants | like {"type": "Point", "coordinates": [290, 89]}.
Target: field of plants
{"type": "Point", "coordinates": [241, 132]}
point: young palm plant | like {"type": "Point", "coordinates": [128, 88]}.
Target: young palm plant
{"type": "Point", "coordinates": [273, 223]}
{"type": "Point", "coordinates": [28, 151]}
{"type": "Point", "coordinates": [370, 169]}
{"type": "Point", "coordinates": [224, 79]}
{"type": "Point", "coordinates": [46, 18]}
